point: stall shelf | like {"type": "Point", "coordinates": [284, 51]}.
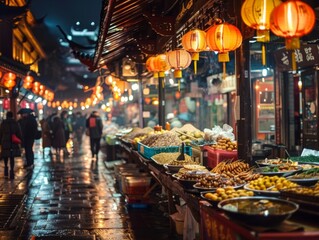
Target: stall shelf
{"type": "Point", "coordinates": [206, 214]}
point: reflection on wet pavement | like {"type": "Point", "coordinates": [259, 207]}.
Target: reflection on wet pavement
{"type": "Point", "coordinates": [75, 198]}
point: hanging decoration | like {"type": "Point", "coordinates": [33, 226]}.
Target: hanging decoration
{"type": "Point", "coordinates": [150, 66]}
{"type": "Point", "coordinates": [223, 38]}
{"type": "Point", "coordinates": [256, 14]}
{"type": "Point", "coordinates": [161, 64]}
{"type": "Point", "coordinates": [9, 80]}
{"type": "Point", "coordinates": [194, 42]}
{"type": "Point", "coordinates": [28, 82]}
{"type": "Point", "coordinates": [292, 19]}
{"type": "Point", "coordinates": [178, 60]}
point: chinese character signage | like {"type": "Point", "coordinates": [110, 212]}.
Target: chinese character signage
{"type": "Point", "coordinates": [306, 56]}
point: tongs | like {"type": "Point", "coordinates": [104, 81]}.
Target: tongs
{"type": "Point", "coordinates": [181, 156]}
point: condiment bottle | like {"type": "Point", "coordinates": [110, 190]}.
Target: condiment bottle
{"type": "Point", "coordinates": [168, 126]}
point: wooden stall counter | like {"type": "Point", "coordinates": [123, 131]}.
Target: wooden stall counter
{"type": "Point", "coordinates": [213, 157]}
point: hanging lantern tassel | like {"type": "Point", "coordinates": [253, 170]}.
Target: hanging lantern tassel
{"type": "Point", "coordinates": [179, 85]}
{"type": "Point", "coordinates": [223, 57]}
{"type": "Point", "coordinates": [263, 54]}
{"type": "Point", "coordinates": [195, 58]}
{"type": "Point", "coordinates": [293, 61]}
{"type": "Point", "coordinates": [292, 44]}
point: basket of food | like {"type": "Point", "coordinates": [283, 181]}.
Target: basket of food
{"type": "Point", "coordinates": [158, 143]}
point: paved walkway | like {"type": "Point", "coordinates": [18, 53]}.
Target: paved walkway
{"type": "Point", "coordinates": [74, 198]}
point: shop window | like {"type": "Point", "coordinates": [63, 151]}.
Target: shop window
{"type": "Point", "coordinates": [264, 108]}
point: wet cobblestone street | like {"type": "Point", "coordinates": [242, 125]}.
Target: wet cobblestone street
{"type": "Point", "coordinates": [73, 198]}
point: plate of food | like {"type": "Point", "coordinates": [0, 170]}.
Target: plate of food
{"type": "Point", "coordinates": [305, 178]}
{"type": "Point", "coordinates": [269, 185]}
{"type": "Point", "coordinates": [220, 194]}
{"type": "Point", "coordinates": [214, 181]}
{"type": "Point", "coordinates": [271, 161]}
{"type": "Point", "coordinates": [280, 170]}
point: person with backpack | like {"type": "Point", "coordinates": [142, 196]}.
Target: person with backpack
{"type": "Point", "coordinates": [94, 127]}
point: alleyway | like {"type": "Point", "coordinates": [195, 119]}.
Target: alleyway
{"type": "Point", "coordinates": [72, 198]}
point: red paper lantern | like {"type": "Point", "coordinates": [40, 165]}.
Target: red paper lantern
{"type": "Point", "coordinates": [9, 80]}
{"type": "Point", "coordinates": [292, 20]}
{"type": "Point", "coordinates": [194, 42]}
{"type": "Point", "coordinates": [28, 82]}
{"type": "Point", "coordinates": [223, 38]}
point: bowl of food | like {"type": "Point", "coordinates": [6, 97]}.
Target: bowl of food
{"type": "Point", "coordinates": [258, 211]}
{"type": "Point", "coordinates": [172, 168]}
{"type": "Point", "coordinates": [188, 179]}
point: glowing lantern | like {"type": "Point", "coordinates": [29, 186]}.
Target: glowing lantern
{"type": "Point", "coordinates": [49, 104]}
{"type": "Point", "coordinates": [179, 59]}
{"type": "Point", "coordinates": [223, 38]}
{"type": "Point", "coordinates": [194, 41]}
{"type": "Point", "coordinates": [161, 65]}
{"type": "Point", "coordinates": [54, 105]}
{"type": "Point", "coordinates": [150, 66]}
{"type": "Point", "coordinates": [41, 90]}
{"type": "Point", "coordinates": [36, 87]}
{"type": "Point", "coordinates": [256, 14]}
{"type": "Point", "coordinates": [27, 82]}
{"type": "Point", "coordinates": [9, 80]}
{"type": "Point", "coordinates": [147, 100]}
{"type": "Point", "coordinates": [292, 20]}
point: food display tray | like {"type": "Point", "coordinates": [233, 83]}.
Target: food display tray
{"type": "Point", "coordinates": [149, 152]}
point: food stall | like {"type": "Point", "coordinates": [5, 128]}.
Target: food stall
{"type": "Point", "coordinates": [205, 188]}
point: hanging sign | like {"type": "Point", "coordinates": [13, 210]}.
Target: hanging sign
{"type": "Point", "coordinates": [306, 56]}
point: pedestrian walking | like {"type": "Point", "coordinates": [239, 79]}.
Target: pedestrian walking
{"type": "Point", "coordinates": [29, 130]}
{"type": "Point", "coordinates": [67, 128]}
{"type": "Point", "coordinates": [10, 135]}
{"type": "Point", "coordinates": [94, 126]}
{"type": "Point", "coordinates": [58, 137]}
{"type": "Point", "coordinates": [79, 127]}
{"type": "Point", "coordinates": [46, 136]}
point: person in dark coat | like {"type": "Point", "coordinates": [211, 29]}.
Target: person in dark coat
{"type": "Point", "coordinates": [29, 129]}
{"type": "Point", "coordinates": [46, 136]}
{"type": "Point", "coordinates": [58, 140]}
{"type": "Point", "coordinates": [95, 126]}
{"type": "Point", "coordinates": [9, 149]}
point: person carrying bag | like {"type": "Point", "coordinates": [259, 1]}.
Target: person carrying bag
{"type": "Point", "coordinates": [10, 136]}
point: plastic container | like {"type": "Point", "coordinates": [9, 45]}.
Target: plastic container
{"type": "Point", "coordinates": [137, 185]}
{"type": "Point", "coordinates": [149, 152]}
{"type": "Point", "coordinates": [122, 182]}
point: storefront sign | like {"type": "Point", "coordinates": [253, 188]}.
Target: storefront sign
{"type": "Point", "coordinates": [306, 56]}
{"type": "Point", "coordinates": [228, 84]}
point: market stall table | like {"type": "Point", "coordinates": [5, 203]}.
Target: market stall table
{"type": "Point", "coordinates": [216, 225]}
